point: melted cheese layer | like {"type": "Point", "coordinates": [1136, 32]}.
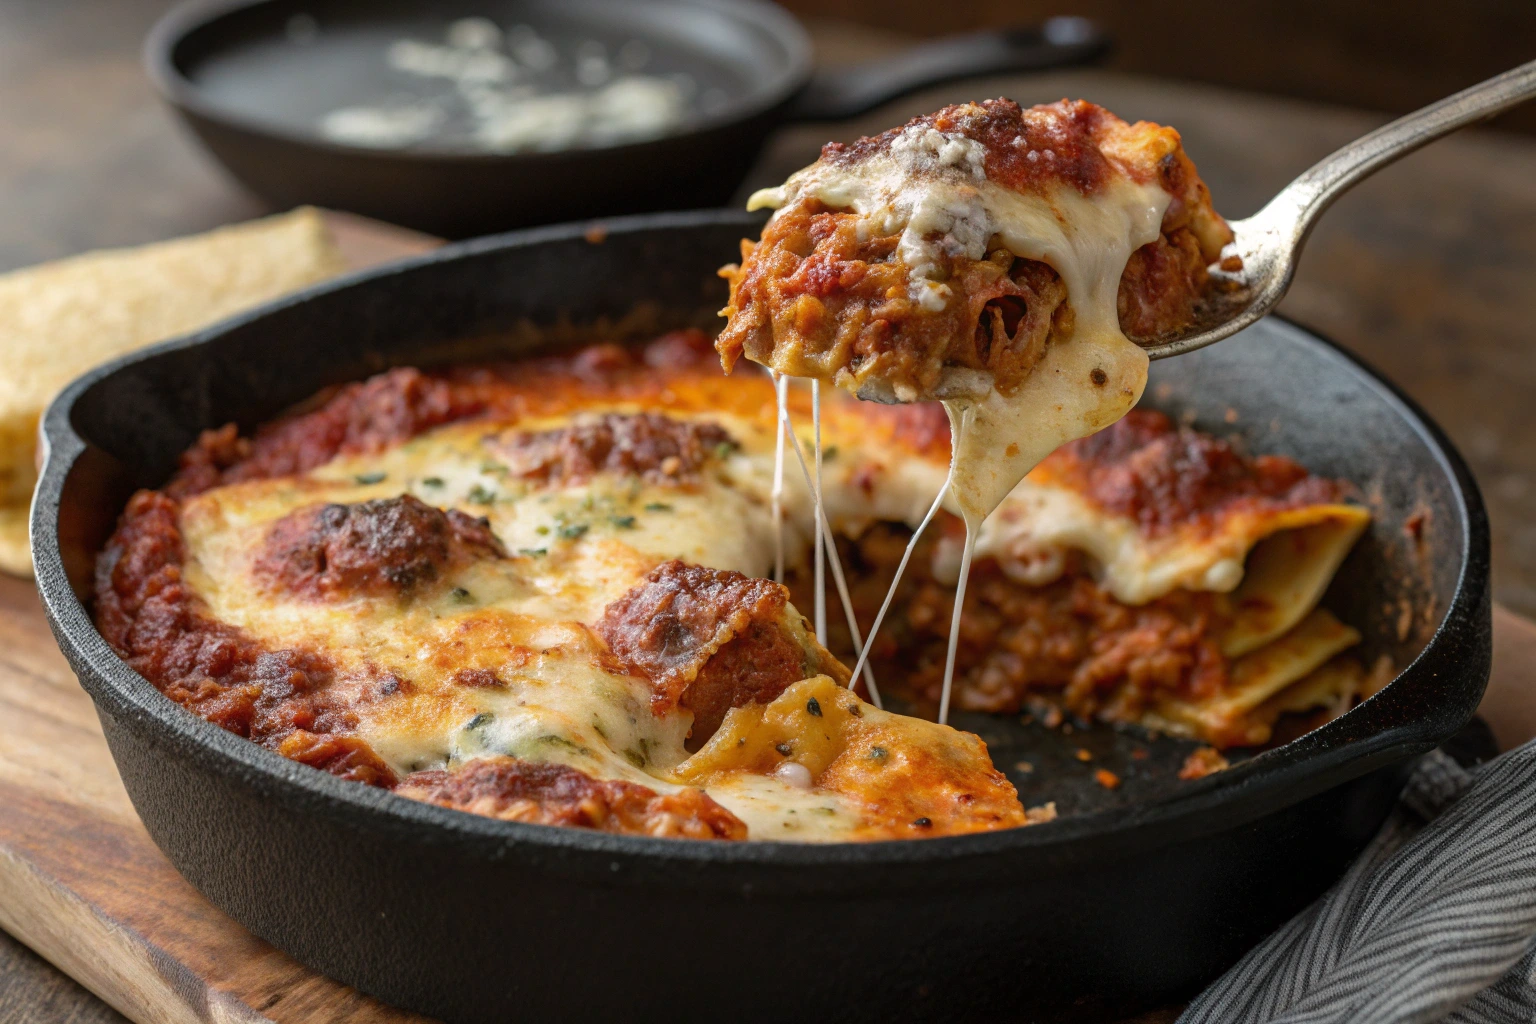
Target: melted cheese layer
{"type": "Point", "coordinates": [572, 550]}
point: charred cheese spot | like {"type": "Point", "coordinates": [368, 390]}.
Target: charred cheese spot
{"type": "Point", "coordinates": [656, 448]}
{"type": "Point", "coordinates": [394, 546]}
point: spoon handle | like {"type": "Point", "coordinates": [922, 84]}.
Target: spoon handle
{"type": "Point", "coordinates": [1301, 202]}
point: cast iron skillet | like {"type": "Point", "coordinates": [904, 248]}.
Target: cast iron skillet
{"type": "Point", "coordinates": [252, 87]}
{"type": "Point", "coordinates": [1134, 896]}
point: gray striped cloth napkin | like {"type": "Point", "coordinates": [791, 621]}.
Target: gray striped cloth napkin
{"type": "Point", "coordinates": [1435, 922]}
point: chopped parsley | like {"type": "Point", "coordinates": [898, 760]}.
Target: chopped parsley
{"type": "Point", "coordinates": [478, 495]}
{"type": "Point", "coordinates": [658, 506]}
{"type": "Point", "coordinates": [623, 522]}
{"type": "Point", "coordinates": [533, 552]}
{"type": "Point", "coordinates": [461, 595]}
{"type": "Point", "coordinates": [432, 481]}
{"type": "Point", "coordinates": [571, 531]}
{"type": "Point", "coordinates": [723, 450]}
{"type": "Point", "coordinates": [542, 531]}
{"type": "Point", "coordinates": [368, 479]}
{"type": "Point", "coordinates": [641, 757]}
{"type": "Point", "coordinates": [483, 718]}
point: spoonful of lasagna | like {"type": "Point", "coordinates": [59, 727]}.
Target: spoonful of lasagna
{"type": "Point", "coordinates": [1022, 266]}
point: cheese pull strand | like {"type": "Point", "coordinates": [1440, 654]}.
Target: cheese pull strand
{"type": "Point", "coordinates": [824, 533]}
{"type": "Point", "coordinates": [972, 528]}
{"type": "Point", "coordinates": [901, 567]}
{"type": "Point", "coordinates": [962, 423]}
{"type": "Point", "coordinates": [821, 546]}
{"type": "Point", "coordinates": [780, 388]}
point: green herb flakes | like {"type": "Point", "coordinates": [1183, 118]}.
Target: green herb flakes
{"type": "Point", "coordinates": [623, 522]}
{"type": "Point", "coordinates": [432, 481]}
{"type": "Point", "coordinates": [482, 719]}
{"type": "Point", "coordinates": [658, 506]}
{"type": "Point", "coordinates": [553, 740]}
{"type": "Point", "coordinates": [479, 495]}
{"type": "Point", "coordinates": [533, 552]}
{"type": "Point", "coordinates": [369, 479]}
{"type": "Point", "coordinates": [572, 531]}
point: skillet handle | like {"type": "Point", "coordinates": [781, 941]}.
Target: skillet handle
{"type": "Point", "coordinates": [834, 94]}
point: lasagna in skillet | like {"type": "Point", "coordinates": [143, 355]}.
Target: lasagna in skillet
{"type": "Point", "coordinates": [538, 590]}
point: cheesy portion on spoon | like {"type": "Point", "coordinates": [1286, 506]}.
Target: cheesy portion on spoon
{"type": "Point", "coordinates": [999, 259]}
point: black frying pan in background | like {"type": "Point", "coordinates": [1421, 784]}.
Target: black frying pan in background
{"type": "Point", "coordinates": [252, 78]}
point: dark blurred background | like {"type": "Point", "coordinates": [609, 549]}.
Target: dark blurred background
{"type": "Point", "coordinates": [1387, 55]}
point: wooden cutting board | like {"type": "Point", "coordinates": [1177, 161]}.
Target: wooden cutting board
{"type": "Point", "coordinates": [81, 882]}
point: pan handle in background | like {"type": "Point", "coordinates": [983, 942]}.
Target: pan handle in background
{"type": "Point", "coordinates": [834, 94]}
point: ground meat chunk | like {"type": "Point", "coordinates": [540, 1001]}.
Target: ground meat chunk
{"type": "Point", "coordinates": [1202, 762]}
{"type": "Point", "coordinates": [388, 546]}
{"type": "Point", "coordinates": [278, 698]}
{"type": "Point", "coordinates": [1069, 640]}
{"type": "Point", "coordinates": [555, 794]}
{"type": "Point", "coordinates": [656, 448]}
{"type": "Point", "coordinates": [1163, 475]}
{"type": "Point", "coordinates": [362, 417]}
{"type": "Point", "coordinates": [826, 293]}
{"type": "Point", "coordinates": [753, 667]}
{"type": "Point", "coordinates": [710, 640]}
{"type": "Point", "coordinates": [1163, 283]}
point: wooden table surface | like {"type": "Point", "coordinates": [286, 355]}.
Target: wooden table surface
{"type": "Point", "coordinates": [1428, 270]}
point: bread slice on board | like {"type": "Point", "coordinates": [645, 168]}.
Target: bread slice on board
{"type": "Point", "coordinates": [59, 319]}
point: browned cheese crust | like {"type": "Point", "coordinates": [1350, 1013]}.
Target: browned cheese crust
{"type": "Point", "coordinates": [389, 546]}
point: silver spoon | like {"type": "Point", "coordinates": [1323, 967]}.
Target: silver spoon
{"type": "Point", "coordinates": [1270, 241]}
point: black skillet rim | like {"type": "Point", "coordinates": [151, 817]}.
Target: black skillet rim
{"type": "Point", "coordinates": [182, 93]}
{"type": "Point", "coordinates": [1267, 782]}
